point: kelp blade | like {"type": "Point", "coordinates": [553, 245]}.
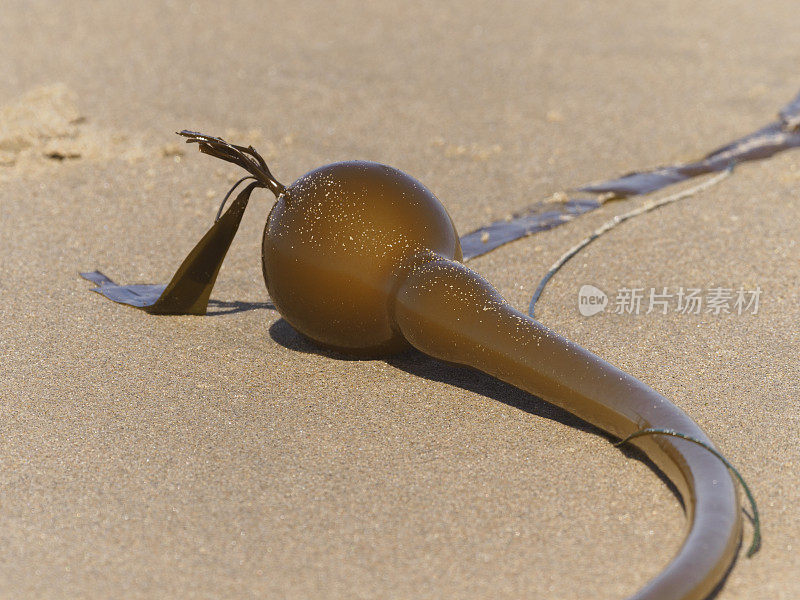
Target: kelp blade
{"type": "Point", "coordinates": [190, 288]}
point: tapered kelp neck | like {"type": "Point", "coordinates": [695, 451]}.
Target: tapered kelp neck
{"type": "Point", "coordinates": [448, 311]}
{"type": "Point", "coordinates": [362, 258]}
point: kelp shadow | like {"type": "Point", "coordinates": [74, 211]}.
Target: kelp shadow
{"type": "Point", "coordinates": [475, 381]}
{"type": "Point", "coordinates": [218, 308]}
{"type": "Point", "coordinates": [287, 336]}
{"type": "Point", "coordinates": [718, 588]}
{"type": "Point", "coordinates": [471, 380]}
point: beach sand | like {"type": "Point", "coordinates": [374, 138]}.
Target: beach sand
{"type": "Point", "coordinates": [225, 456]}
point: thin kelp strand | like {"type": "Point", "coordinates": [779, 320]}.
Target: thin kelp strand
{"type": "Point", "coordinates": [228, 195]}
{"type": "Point", "coordinates": [755, 544]}
{"type": "Point", "coordinates": [609, 225]}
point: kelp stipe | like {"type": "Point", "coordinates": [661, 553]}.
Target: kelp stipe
{"type": "Point", "coordinates": [362, 258]}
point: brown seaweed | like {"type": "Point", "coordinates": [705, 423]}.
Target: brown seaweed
{"type": "Point", "coordinates": [188, 291]}
{"type": "Point", "coordinates": [363, 259]}
{"type": "Point", "coordinates": [775, 137]}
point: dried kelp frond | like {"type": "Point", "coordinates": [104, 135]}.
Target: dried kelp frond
{"type": "Point", "coordinates": [246, 157]}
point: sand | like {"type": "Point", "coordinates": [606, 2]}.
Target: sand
{"type": "Point", "coordinates": [224, 456]}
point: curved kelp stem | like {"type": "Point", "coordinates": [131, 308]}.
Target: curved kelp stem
{"type": "Point", "coordinates": [475, 326]}
{"type": "Point", "coordinates": [228, 195]}
{"type": "Point", "coordinates": [755, 543]}
{"type": "Point", "coordinates": [363, 259]}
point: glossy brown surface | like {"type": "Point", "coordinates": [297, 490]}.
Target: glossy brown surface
{"type": "Point", "coordinates": [331, 248]}
{"type": "Point", "coordinates": [452, 313]}
{"type": "Point", "coordinates": [363, 259]}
